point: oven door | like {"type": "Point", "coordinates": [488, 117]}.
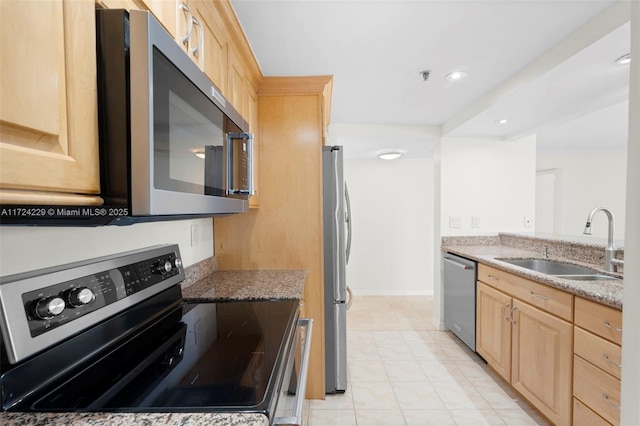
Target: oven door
{"type": "Point", "coordinates": [291, 396]}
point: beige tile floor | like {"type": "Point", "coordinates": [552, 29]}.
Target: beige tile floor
{"type": "Point", "coordinates": [402, 371]}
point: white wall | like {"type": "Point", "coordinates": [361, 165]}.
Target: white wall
{"type": "Point", "coordinates": [585, 180]}
{"type": "Point", "coordinates": [630, 414]}
{"type": "Point", "coordinates": [26, 248]}
{"type": "Point", "coordinates": [392, 211]}
{"type": "Point", "coordinates": [491, 179]}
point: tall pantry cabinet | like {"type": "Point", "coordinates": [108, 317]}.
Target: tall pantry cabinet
{"type": "Point", "coordinates": [286, 231]}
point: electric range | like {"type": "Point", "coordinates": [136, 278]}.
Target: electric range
{"type": "Point", "coordinates": [113, 334]}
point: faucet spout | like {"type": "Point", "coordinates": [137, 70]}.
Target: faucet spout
{"type": "Point", "coordinates": [610, 261]}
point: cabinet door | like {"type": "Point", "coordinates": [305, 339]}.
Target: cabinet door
{"type": "Point", "coordinates": [541, 353]}
{"type": "Point", "coordinates": [493, 329]}
{"type": "Point", "coordinates": [212, 57]}
{"type": "Point", "coordinates": [235, 82]}
{"type": "Point", "coordinates": [165, 11]}
{"type": "Point", "coordinates": [48, 107]}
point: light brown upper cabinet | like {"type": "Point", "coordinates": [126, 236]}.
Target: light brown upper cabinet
{"type": "Point", "coordinates": [48, 107]}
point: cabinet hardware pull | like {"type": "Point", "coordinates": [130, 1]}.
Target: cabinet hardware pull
{"type": "Point", "coordinates": [608, 325]}
{"type": "Point", "coordinates": [196, 49]}
{"type": "Point", "coordinates": [504, 312]}
{"type": "Point", "coordinates": [606, 358]}
{"type": "Point", "coordinates": [512, 311]}
{"type": "Point", "coordinates": [186, 37]}
{"type": "Point", "coordinates": [608, 401]}
{"type": "Point", "coordinates": [539, 296]}
{"type": "Point", "coordinates": [491, 277]}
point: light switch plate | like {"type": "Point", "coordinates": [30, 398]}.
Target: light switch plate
{"type": "Point", "coordinates": [475, 221]}
{"type": "Point", "coordinates": [455, 222]}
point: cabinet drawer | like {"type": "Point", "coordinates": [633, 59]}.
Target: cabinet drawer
{"type": "Point", "coordinates": [597, 351]}
{"type": "Point", "coordinates": [583, 416]}
{"type": "Point", "coordinates": [596, 389]}
{"type": "Point", "coordinates": [552, 300]}
{"type": "Point", "coordinates": [599, 319]}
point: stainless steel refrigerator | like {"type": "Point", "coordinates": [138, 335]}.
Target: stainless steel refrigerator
{"type": "Point", "coordinates": [337, 246]}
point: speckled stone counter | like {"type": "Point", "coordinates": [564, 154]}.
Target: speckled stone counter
{"type": "Point", "coordinates": [119, 419]}
{"type": "Point", "coordinates": [489, 251]}
{"type": "Point", "coordinates": [247, 285]}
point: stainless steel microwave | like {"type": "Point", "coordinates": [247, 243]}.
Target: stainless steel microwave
{"type": "Point", "coordinates": [170, 143]}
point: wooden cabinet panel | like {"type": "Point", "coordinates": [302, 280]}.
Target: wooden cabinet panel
{"type": "Point", "coordinates": [493, 334]}
{"type": "Point", "coordinates": [599, 319]}
{"type": "Point", "coordinates": [235, 82]}
{"type": "Point", "coordinates": [597, 390]}
{"type": "Point", "coordinates": [166, 11]}
{"type": "Point", "coordinates": [213, 58]}
{"type": "Point", "coordinates": [557, 302]}
{"type": "Point", "coordinates": [286, 231]}
{"type": "Point", "coordinates": [48, 107]}
{"type": "Point", "coordinates": [542, 347]}
{"type": "Point", "coordinates": [598, 351]}
{"type": "Point", "coordinates": [583, 416]}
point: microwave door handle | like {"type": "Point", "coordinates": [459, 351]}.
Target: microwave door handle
{"type": "Point", "coordinates": [248, 137]}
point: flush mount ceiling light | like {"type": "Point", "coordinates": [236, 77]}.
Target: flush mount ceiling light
{"type": "Point", "coordinates": [199, 153]}
{"type": "Point", "coordinates": [502, 121]}
{"type": "Point", "coordinates": [390, 155]}
{"type": "Point", "coordinates": [456, 75]}
{"type": "Point", "coordinates": [624, 59]}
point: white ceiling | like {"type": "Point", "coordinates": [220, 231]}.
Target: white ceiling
{"type": "Point", "coordinates": [376, 49]}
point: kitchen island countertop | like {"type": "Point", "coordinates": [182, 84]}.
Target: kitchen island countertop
{"type": "Point", "coordinates": [202, 284]}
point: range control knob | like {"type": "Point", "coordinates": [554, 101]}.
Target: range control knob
{"type": "Point", "coordinates": [49, 307]}
{"type": "Point", "coordinates": [80, 296]}
{"type": "Point", "coordinates": [162, 267]}
{"type": "Point", "coordinates": [177, 263]}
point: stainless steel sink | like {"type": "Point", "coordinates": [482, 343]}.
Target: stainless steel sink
{"type": "Point", "coordinates": [587, 277]}
{"type": "Point", "coordinates": [550, 267]}
{"type": "Point", "coordinates": [559, 269]}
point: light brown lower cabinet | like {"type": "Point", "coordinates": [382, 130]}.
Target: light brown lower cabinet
{"type": "Point", "coordinates": [584, 416]}
{"type": "Point", "coordinates": [528, 347]}
{"type": "Point", "coordinates": [597, 364]}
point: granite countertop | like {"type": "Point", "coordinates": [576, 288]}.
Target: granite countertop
{"type": "Point", "coordinates": [137, 419]}
{"type": "Point", "coordinates": [202, 283]}
{"type": "Point", "coordinates": [247, 285]}
{"type": "Point", "coordinates": [489, 252]}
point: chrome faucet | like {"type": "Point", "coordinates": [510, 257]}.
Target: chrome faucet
{"type": "Point", "coordinates": [610, 262]}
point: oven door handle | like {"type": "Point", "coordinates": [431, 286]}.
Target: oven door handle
{"type": "Point", "coordinates": [296, 419]}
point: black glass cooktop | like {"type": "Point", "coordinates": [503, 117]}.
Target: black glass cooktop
{"type": "Point", "coordinates": [198, 357]}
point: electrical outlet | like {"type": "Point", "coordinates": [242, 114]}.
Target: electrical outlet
{"type": "Point", "coordinates": [455, 222]}
{"type": "Point", "coordinates": [195, 235]}
{"type": "Point", "coordinates": [528, 222]}
{"type": "Point", "coordinates": [475, 221]}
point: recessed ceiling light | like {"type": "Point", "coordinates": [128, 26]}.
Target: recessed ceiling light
{"type": "Point", "coordinates": [502, 121]}
{"type": "Point", "coordinates": [198, 153]}
{"type": "Point", "coordinates": [456, 75]}
{"type": "Point", "coordinates": [390, 155]}
{"type": "Point", "coordinates": [624, 59]}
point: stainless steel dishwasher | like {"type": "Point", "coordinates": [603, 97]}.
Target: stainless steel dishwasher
{"type": "Point", "coordinates": [460, 276]}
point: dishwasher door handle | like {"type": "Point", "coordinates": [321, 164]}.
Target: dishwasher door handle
{"type": "Point", "coordinates": [457, 264]}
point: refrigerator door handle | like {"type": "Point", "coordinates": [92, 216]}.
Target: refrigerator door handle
{"type": "Point", "coordinates": [348, 220]}
{"type": "Point", "coordinates": [349, 297]}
